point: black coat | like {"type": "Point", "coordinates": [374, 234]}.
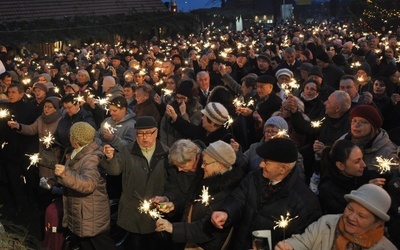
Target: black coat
{"type": "Point", "coordinates": [248, 211]}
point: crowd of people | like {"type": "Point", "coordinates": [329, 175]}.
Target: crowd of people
{"type": "Point", "coordinates": [222, 134]}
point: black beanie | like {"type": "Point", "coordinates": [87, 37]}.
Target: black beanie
{"type": "Point", "coordinates": [278, 149]}
{"type": "Point", "coordinates": [186, 89]}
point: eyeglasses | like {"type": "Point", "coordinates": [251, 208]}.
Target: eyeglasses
{"type": "Point", "coordinates": [147, 134]}
{"type": "Point", "coordinates": [206, 164]}
{"type": "Point", "coordinates": [180, 97]}
{"type": "Point", "coordinates": [271, 132]}
{"type": "Point", "coordinates": [361, 123]}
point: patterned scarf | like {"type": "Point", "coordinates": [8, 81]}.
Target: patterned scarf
{"type": "Point", "coordinates": [346, 241]}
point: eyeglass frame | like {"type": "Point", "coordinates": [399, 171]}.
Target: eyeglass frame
{"type": "Point", "coordinates": [147, 134]}
{"type": "Point", "coordinates": [206, 164]}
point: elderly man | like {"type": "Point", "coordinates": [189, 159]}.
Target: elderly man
{"type": "Point", "coordinates": [203, 80]}
{"type": "Point", "coordinates": [144, 175]}
{"type": "Point", "coordinates": [266, 194]}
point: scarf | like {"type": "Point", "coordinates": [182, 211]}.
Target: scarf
{"type": "Point", "coordinates": [47, 119]}
{"type": "Point", "coordinates": [307, 98]}
{"type": "Point", "coordinates": [345, 241]}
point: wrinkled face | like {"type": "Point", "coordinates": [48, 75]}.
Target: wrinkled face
{"type": "Point", "coordinates": [13, 94]}
{"type": "Point", "coordinates": [354, 165]}
{"type": "Point", "coordinates": [360, 127]}
{"type": "Point", "coordinates": [310, 90]}
{"type": "Point", "coordinates": [272, 170]}
{"type": "Point", "coordinates": [141, 96]}
{"type": "Point", "coordinates": [117, 113]}
{"type": "Point", "coordinates": [189, 166]}
{"type": "Point", "coordinates": [210, 166]}
{"type": "Point", "coordinates": [357, 219]}
{"type": "Point", "coordinates": [39, 93]}
{"type": "Point", "coordinates": [48, 108]}
{"type": "Point", "coordinates": [331, 106]}
{"type": "Point", "coordinates": [204, 81]}
{"type": "Point", "coordinates": [128, 93]}
{"type": "Point", "coordinates": [263, 89]}
{"type": "Point", "coordinates": [379, 87]}
{"type": "Point", "coordinates": [146, 138]}
{"type": "Point", "coordinates": [269, 132]}
{"type": "Point", "coordinates": [348, 86]}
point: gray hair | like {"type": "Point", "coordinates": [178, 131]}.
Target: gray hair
{"type": "Point", "coordinates": [343, 99]}
{"type": "Point", "coordinates": [183, 151]}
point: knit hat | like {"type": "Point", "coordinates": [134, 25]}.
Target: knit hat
{"type": "Point", "coordinates": [249, 75]}
{"type": "Point", "coordinates": [145, 122]}
{"type": "Point", "coordinates": [374, 198]}
{"type": "Point", "coordinates": [316, 71]}
{"type": "Point", "coordinates": [278, 122]}
{"type": "Point", "coordinates": [50, 85]}
{"type": "Point", "coordinates": [339, 59]}
{"type": "Point", "coordinates": [323, 56]}
{"type": "Point", "coordinates": [41, 86]}
{"type": "Point", "coordinates": [185, 89]}
{"type": "Point", "coordinates": [266, 79]}
{"type": "Point", "coordinates": [278, 149]}
{"type": "Point", "coordinates": [222, 152]}
{"type": "Point", "coordinates": [365, 67]}
{"type": "Point", "coordinates": [284, 72]}
{"type": "Point", "coordinates": [265, 57]}
{"type": "Point", "coordinates": [46, 76]}
{"type": "Point", "coordinates": [82, 132]}
{"type": "Point", "coordinates": [306, 67]}
{"type": "Point", "coordinates": [216, 112]}
{"type": "Point", "coordinates": [73, 86]}
{"type": "Point", "coordinates": [369, 113]}
{"type": "Point", "coordinates": [108, 82]}
{"type": "Point", "coordinates": [53, 100]}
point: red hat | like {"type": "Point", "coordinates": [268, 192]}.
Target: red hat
{"type": "Point", "coordinates": [369, 113]}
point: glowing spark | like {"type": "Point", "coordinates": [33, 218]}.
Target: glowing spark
{"type": "Point", "coordinates": [155, 214]}
{"type": "Point", "coordinates": [229, 122]}
{"type": "Point", "coordinates": [238, 102]}
{"type": "Point", "coordinates": [384, 164]}
{"type": "Point", "coordinates": [167, 92]}
{"type": "Point", "coordinates": [79, 98]}
{"type": "Point", "coordinates": [205, 197]}
{"type": "Point", "coordinates": [281, 134]}
{"type": "Point", "coordinates": [47, 140]}
{"type": "Point", "coordinates": [145, 206]}
{"type": "Point", "coordinates": [34, 158]}
{"type": "Point", "coordinates": [102, 101]}
{"type": "Point", "coordinates": [26, 81]}
{"type": "Point", "coordinates": [56, 90]}
{"type": "Point", "coordinates": [290, 86]}
{"type": "Point", "coordinates": [4, 144]}
{"type": "Point", "coordinates": [4, 113]}
{"type": "Point", "coordinates": [284, 221]}
{"type": "Point", "coordinates": [110, 128]}
{"type": "Point", "coordinates": [317, 124]}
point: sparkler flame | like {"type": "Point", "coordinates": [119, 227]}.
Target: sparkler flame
{"type": "Point", "coordinates": [229, 122]}
{"type": "Point", "coordinates": [4, 144]}
{"type": "Point", "coordinates": [205, 197]}
{"type": "Point", "coordinates": [34, 158]}
{"type": "Point", "coordinates": [4, 113]}
{"type": "Point", "coordinates": [47, 140]}
{"type": "Point", "coordinates": [284, 221]}
{"type": "Point", "coordinates": [317, 124]}
{"type": "Point", "coordinates": [281, 134]}
{"type": "Point", "coordinates": [384, 164]}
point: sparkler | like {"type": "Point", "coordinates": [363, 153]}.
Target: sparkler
{"type": "Point", "coordinates": [4, 144]}
{"type": "Point", "coordinates": [4, 113]}
{"type": "Point", "coordinates": [281, 134]}
{"type": "Point", "coordinates": [239, 102]}
{"type": "Point", "coordinates": [205, 197]}
{"type": "Point", "coordinates": [290, 86]}
{"type": "Point", "coordinates": [110, 128]}
{"type": "Point", "coordinates": [167, 92]}
{"type": "Point", "coordinates": [79, 99]}
{"type": "Point", "coordinates": [34, 158]}
{"type": "Point", "coordinates": [384, 164]}
{"type": "Point", "coordinates": [229, 122]}
{"type": "Point", "coordinates": [317, 124]}
{"type": "Point", "coordinates": [284, 222]}
{"type": "Point", "coordinates": [47, 140]}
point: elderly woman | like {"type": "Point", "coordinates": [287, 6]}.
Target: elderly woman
{"type": "Point", "coordinates": [366, 132]}
{"type": "Point", "coordinates": [361, 226]}
{"type": "Point", "coordinates": [219, 179]}
{"type": "Point", "coordinates": [343, 170]}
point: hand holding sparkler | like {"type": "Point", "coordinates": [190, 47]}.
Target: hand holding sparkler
{"type": "Point", "coordinates": [171, 112]}
{"type": "Point", "coordinates": [218, 219]}
{"type": "Point", "coordinates": [108, 151]}
{"type": "Point", "coordinates": [284, 222]}
{"type": "Point", "coordinates": [166, 207]}
{"type": "Point", "coordinates": [164, 225]}
{"type": "Point", "coordinates": [318, 147]}
{"type": "Point", "coordinates": [13, 124]}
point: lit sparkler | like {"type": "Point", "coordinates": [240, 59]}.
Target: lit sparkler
{"type": "Point", "coordinates": [167, 92]}
{"type": "Point", "coordinates": [317, 124]}
{"type": "Point", "coordinates": [79, 99]}
{"type": "Point", "coordinates": [4, 113]}
{"type": "Point", "coordinates": [229, 122]}
{"type": "Point", "coordinates": [110, 128]}
{"type": "Point", "coordinates": [34, 158]}
{"type": "Point", "coordinates": [281, 134]}
{"type": "Point", "coordinates": [284, 222]}
{"type": "Point", "coordinates": [290, 86]}
{"type": "Point", "coordinates": [4, 144]}
{"type": "Point", "coordinates": [47, 140]}
{"type": "Point", "coordinates": [384, 164]}
{"type": "Point", "coordinates": [239, 102]}
{"type": "Point", "coordinates": [205, 197]}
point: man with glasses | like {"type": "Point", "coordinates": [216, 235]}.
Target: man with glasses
{"type": "Point", "coordinates": [143, 168]}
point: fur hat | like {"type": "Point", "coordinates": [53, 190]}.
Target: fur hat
{"type": "Point", "coordinates": [316, 71]}
{"type": "Point", "coordinates": [266, 79]}
{"type": "Point", "coordinates": [186, 89]}
{"type": "Point", "coordinates": [41, 86]}
{"type": "Point", "coordinates": [365, 67]}
{"type": "Point", "coordinates": [323, 56]}
{"type": "Point", "coordinates": [284, 72]}
{"type": "Point", "coordinates": [82, 132]}
{"type": "Point", "coordinates": [369, 113]}
{"type": "Point", "coordinates": [222, 152]}
{"type": "Point", "coordinates": [278, 149]}
{"type": "Point", "coordinates": [374, 198]}
{"type": "Point", "coordinates": [216, 112]}
{"type": "Point", "coordinates": [108, 82]}
{"type": "Point", "coordinates": [53, 100]}
{"type": "Point", "coordinates": [278, 122]}
{"type": "Point", "coordinates": [145, 122]}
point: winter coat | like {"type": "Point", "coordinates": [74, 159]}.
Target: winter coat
{"type": "Point", "coordinates": [114, 91]}
{"type": "Point", "coordinates": [199, 229]}
{"type": "Point", "coordinates": [86, 204]}
{"type": "Point", "coordinates": [125, 132]}
{"type": "Point", "coordinates": [139, 178]}
{"type": "Point", "coordinates": [147, 108]}
{"type": "Point", "coordinates": [314, 109]}
{"type": "Point", "coordinates": [321, 235]}
{"type": "Point", "coordinates": [248, 211]}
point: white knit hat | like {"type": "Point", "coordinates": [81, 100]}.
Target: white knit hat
{"type": "Point", "coordinates": [216, 112]}
{"type": "Point", "coordinates": [222, 152]}
{"type": "Point", "coordinates": [108, 82]}
{"type": "Point", "coordinates": [284, 72]}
